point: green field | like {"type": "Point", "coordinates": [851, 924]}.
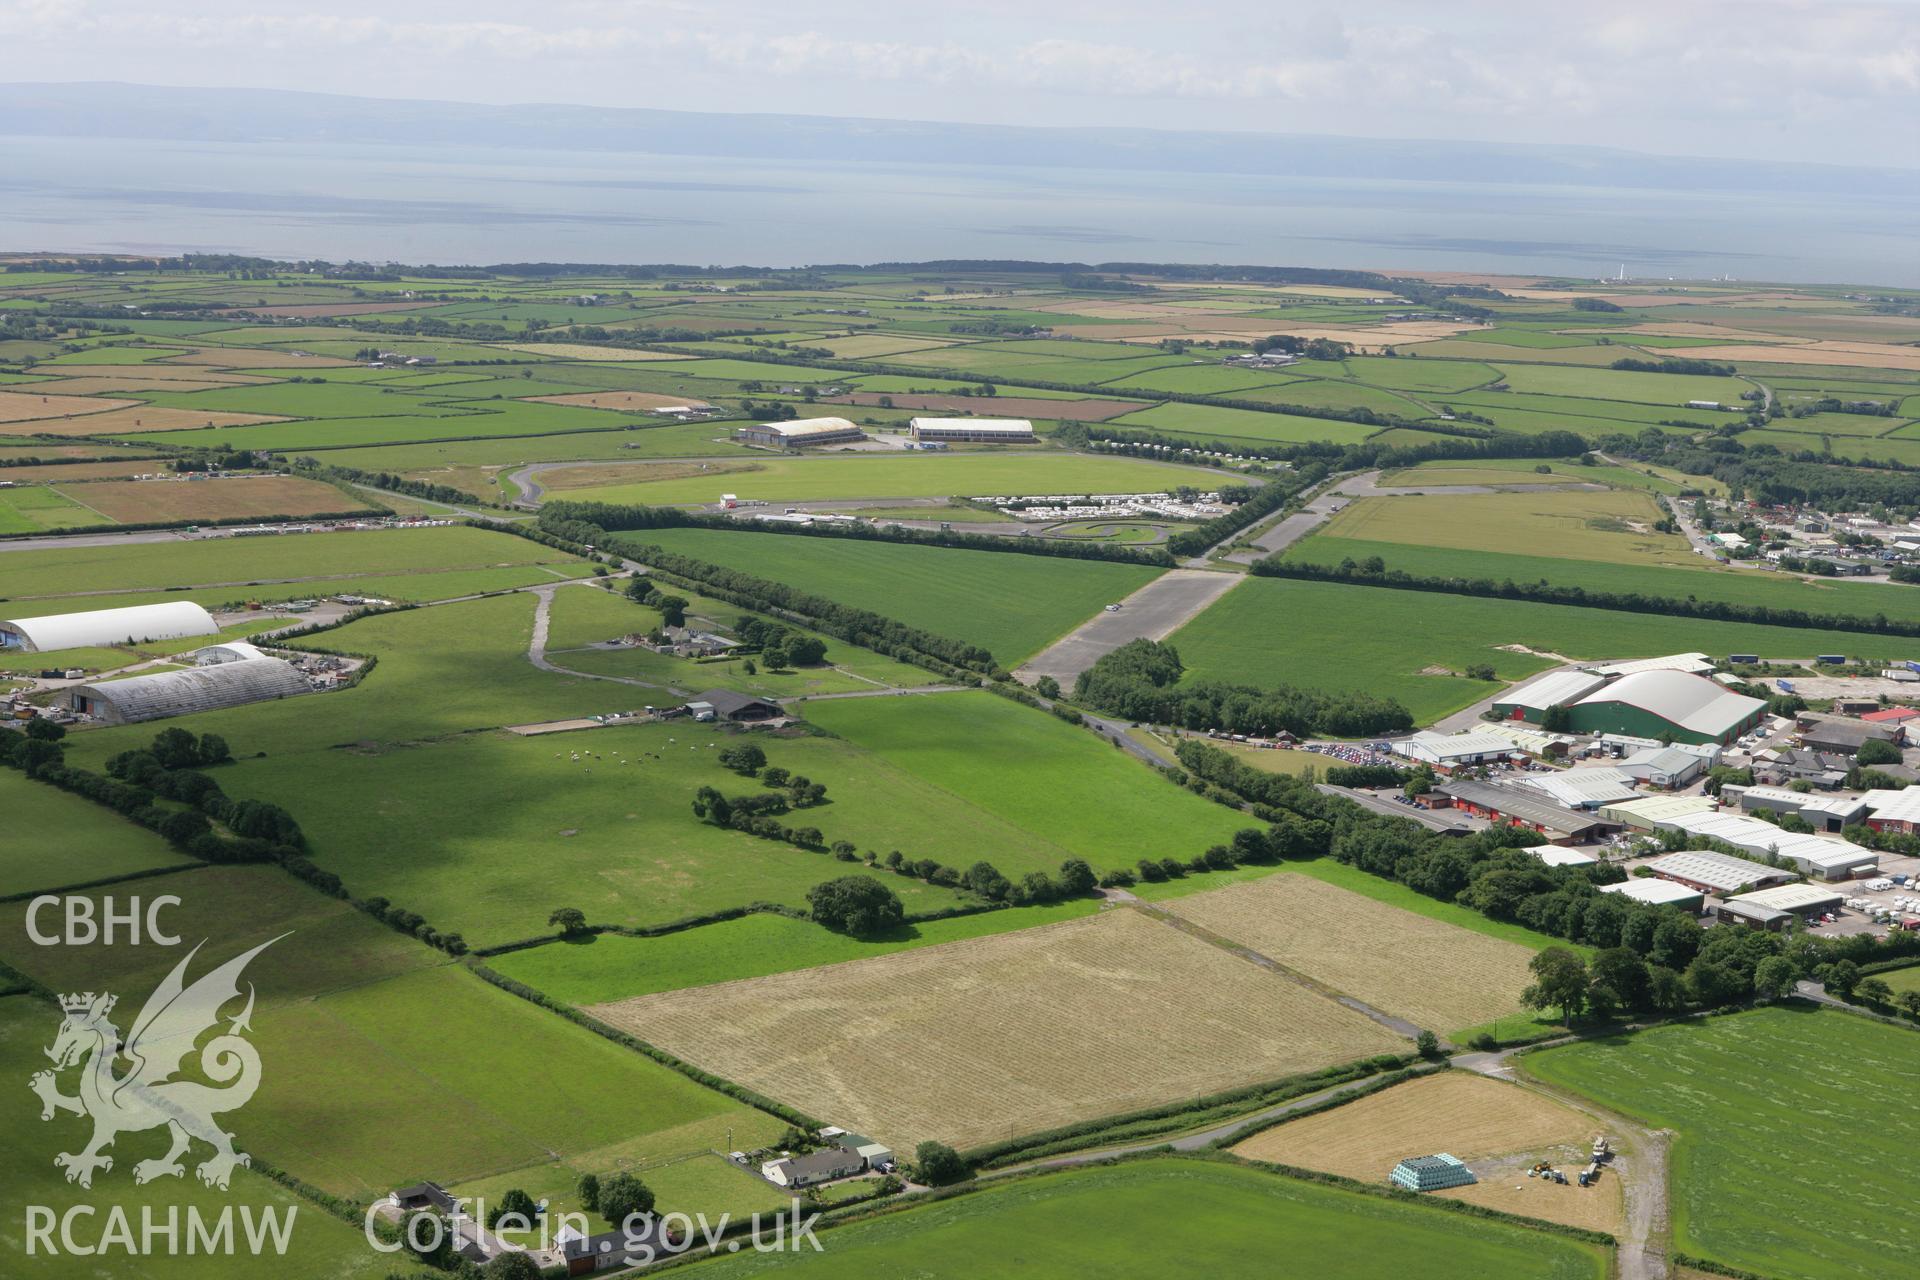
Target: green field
{"type": "Point", "coordinates": [1014, 605]}
{"type": "Point", "coordinates": [1214, 422]}
{"type": "Point", "coordinates": [1903, 979]}
{"type": "Point", "coordinates": [39, 509]}
{"type": "Point", "coordinates": [1154, 1218]}
{"type": "Point", "coordinates": [1612, 525]}
{"type": "Point", "coordinates": [1378, 640]}
{"type": "Point", "coordinates": [74, 841]}
{"type": "Point", "coordinates": [356, 1025]}
{"type": "Point", "coordinates": [1829, 1201]}
{"type": "Point", "coordinates": [613, 966]}
{"type": "Point", "coordinates": [964, 475]}
{"type": "Point", "coordinates": [1616, 384]}
{"type": "Point", "coordinates": [1524, 471]}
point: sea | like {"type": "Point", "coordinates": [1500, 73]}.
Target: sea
{"type": "Point", "coordinates": [475, 205]}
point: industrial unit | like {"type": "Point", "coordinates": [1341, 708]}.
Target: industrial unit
{"type": "Point", "coordinates": [1716, 873]}
{"type": "Point", "coordinates": [800, 433]}
{"type": "Point", "coordinates": [100, 628]}
{"type": "Point", "coordinates": [973, 430]}
{"type": "Point", "coordinates": [1821, 857]}
{"type": "Point", "coordinates": [1770, 908]}
{"type": "Point", "coordinates": [179, 693]}
{"type": "Point", "coordinates": [1669, 705]}
{"type": "Point", "coordinates": [1449, 751]}
{"type": "Point", "coordinates": [1518, 807]}
{"type": "Point", "coordinates": [1658, 893]}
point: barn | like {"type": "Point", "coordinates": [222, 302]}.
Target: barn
{"type": "Point", "coordinates": [179, 693]}
{"type": "Point", "coordinates": [800, 433]}
{"type": "Point", "coordinates": [973, 430]}
{"type": "Point", "coordinates": [1673, 706]}
{"type": "Point", "coordinates": [100, 628]}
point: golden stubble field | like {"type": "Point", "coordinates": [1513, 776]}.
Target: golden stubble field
{"type": "Point", "coordinates": [976, 1041]}
{"type": "Point", "coordinates": [231, 498]}
{"type": "Point", "coordinates": [1435, 974]}
{"type": "Point", "coordinates": [1500, 1130]}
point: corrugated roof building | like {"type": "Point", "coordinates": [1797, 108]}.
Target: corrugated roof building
{"type": "Point", "coordinates": [98, 628]}
{"type": "Point", "coordinates": [179, 693]}
{"type": "Point", "coordinates": [973, 430]}
{"type": "Point", "coordinates": [797, 433]}
{"type": "Point", "coordinates": [1667, 704]}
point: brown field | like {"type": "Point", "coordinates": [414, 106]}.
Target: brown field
{"type": "Point", "coordinates": [585, 351]}
{"type": "Point", "coordinates": [326, 310]}
{"type": "Point", "coordinates": [172, 374]}
{"type": "Point", "coordinates": [972, 1041]}
{"type": "Point", "coordinates": [637, 400]}
{"type": "Point", "coordinates": [865, 345]}
{"type": "Point", "coordinates": [1365, 338]}
{"type": "Point", "coordinates": [134, 379]}
{"type": "Point", "coordinates": [1501, 1130]}
{"type": "Point", "coordinates": [592, 477]}
{"type": "Point", "coordinates": [259, 357]}
{"type": "Point", "coordinates": [31, 406]}
{"type": "Point", "coordinates": [1863, 355]}
{"type": "Point", "coordinates": [1435, 974]}
{"type": "Point", "coordinates": [238, 497]}
{"type": "Point", "coordinates": [1015, 406]}
{"type": "Point", "coordinates": [142, 417]}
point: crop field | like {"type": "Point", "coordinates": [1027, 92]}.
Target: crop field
{"type": "Point", "coordinates": [1704, 581]}
{"type": "Point", "coordinates": [1378, 640]}
{"type": "Point", "coordinates": [1613, 525]}
{"type": "Point", "coordinates": [977, 1040]}
{"type": "Point", "coordinates": [238, 497]}
{"type": "Point", "coordinates": [1013, 605]}
{"type": "Point", "coordinates": [376, 1007]}
{"type": "Point", "coordinates": [1214, 422]}
{"type": "Point", "coordinates": [1500, 1130]}
{"type": "Point", "coordinates": [1433, 974]}
{"type": "Point", "coordinates": [1231, 1223]}
{"type": "Point", "coordinates": [39, 509]}
{"type": "Point", "coordinates": [27, 406]}
{"type": "Point", "coordinates": [613, 966]}
{"type": "Point", "coordinates": [858, 476]}
{"type": "Point", "coordinates": [1834, 1201]}
{"type": "Point", "coordinates": [1639, 475]}
{"type": "Point", "coordinates": [1615, 384]}
{"type": "Point", "coordinates": [74, 840]}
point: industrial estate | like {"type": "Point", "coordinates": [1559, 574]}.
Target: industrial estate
{"type": "Point", "coordinates": [1124, 769]}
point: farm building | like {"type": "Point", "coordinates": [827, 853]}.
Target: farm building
{"type": "Point", "coordinates": [179, 693]}
{"type": "Point", "coordinates": [735, 708]}
{"type": "Point", "coordinates": [1582, 788]}
{"type": "Point", "coordinates": [1895, 811]}
{"type": "Point", "coordinates": [1664, 704]}
{"type": "Point", "coordinates": [1431, 1173]}
{"type": "Point", "coordinates": [1530, 701]}
{"type": "Point", "coordinates": [98, 628]}
{"type": "Point", "coordinates": [1821, 857]}
{"type": "Point", "coordinates": [1555, 856]}
{"type": "Point", "coordinates": [1449, 751]}
{"type": "Point", "coordinates": [1801, 900]}
{"type": "Point", "coordinates": [232, 651]}
{"type": "Point", "coordinates": [973, 430]}
{"type": "Point", "coordinates": [1518, 807]}
{"type": "Point", "coordinates": [1664, 766]}
{"type": "Point", "coordinates": [800, 433]}
{"type": "Point", "coordinates": [1823, 813]}
{"type": "Point", "coordinates": [1844, 739]}
{"type": "Point", "coordinates": [1650, 812]}
{"type": "Point", "coordinates": [821, 1166]}
{"type": "Point", "coordinates": [1716, 873]}
{"type": "Point", "coordinates": [1658, 893]}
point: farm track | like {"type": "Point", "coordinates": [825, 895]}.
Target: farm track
{"type": "Point", "coordinates": [1154, 612]}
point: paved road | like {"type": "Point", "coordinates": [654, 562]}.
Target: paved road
{"type": "Point", "coordinates": [1432, 819]}
{"type": "Point", "coordinates": [1154, 612]}
{"type": "Point", "coordinates": [537, 645]}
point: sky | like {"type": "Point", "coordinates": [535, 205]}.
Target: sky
{"type": "Point", "coordinates": [1821, 80]}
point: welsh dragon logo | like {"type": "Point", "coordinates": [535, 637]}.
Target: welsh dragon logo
{"type": "Point", "coordinates": [146, 1094]}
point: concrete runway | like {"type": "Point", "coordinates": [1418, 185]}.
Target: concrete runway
{"type": "Point", "coordinates": [1154, 612]}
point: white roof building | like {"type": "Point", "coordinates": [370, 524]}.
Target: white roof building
{"type": "Point", "coordinates": [1715, 872]}
{"type": "Point", "coordinates": [1453, 749]}
{"type": "Point", "coordinates": [1682, 700]}
{"type": "Point", "coordinates": [1893, 806]}
{"type": "Point", "coordinates": [1650, 812]}
{"type": "Point", "coordinates": [1557, 688]}
{"type": "Point", "coordinates": [1012, 429]}
{"type": "Point", "coordinates": [1657, 892]}
{"type": "Point", "coordinates": [1556, 856]}
{"type": "Point", "coordinates": [1526, 737]}
{"type": "Point", "coordinates": [98, 628]}
{"type": "Point", "coordinates": [231, 651]}
{"type": "Point", "coordinates": [1791, 897]}
{"type": "Point", "coordinates": [1692, 663]}
{"type": "Point", "coordinates": [1820, 856]}
{"type": "Point", "coordinates": [1582, 788]}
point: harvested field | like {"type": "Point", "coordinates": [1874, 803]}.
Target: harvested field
{"type": "Point", "coordinates": [640, 400]}
{"type": "Point", "coordinates": [141, 417]}
{"type": "Point", "coordinates": [236, 497]}
{"type": "Point", "coordinates": [1501, 1130]}
{"type": "Point", "coordinates": [255, 358]}
{"type": "Point", "coordinates": [601, 474]}
{"type": "Point", "coordinates": [586, 351]}
{"type": "Point", "coordinates": [1429, 972]}
{"type": "Point", "coordinates": [326, 310]}
{"type": "Point", "coordinates": [971, 1041]}
{"type": "Point", "coordinates": [30, 406]}
{"type": "Point", "coordinates": [135, 378]}
{"type": "Point", "coordinates": [1862, 355]}
{"type": "Point", "coordinates": [176, 377]}
{"type": "Point", "coordinates": [989, 406]}
{"type": "Point", "coordinates": [55, 472]}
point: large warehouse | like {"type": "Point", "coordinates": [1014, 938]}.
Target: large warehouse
{"type": "Point", "coordinates": [1530, 701]}
{"type": "Point", "coordinates": [973, 430]}
{"type": "Point", "coordinates": [1667, 704]}
{"type": "Point", "coordinates": [800, 433]}
{"type": "Point", "coordinates": [179, 693]}
{"type": "Point", "coordinates": [99, 628]}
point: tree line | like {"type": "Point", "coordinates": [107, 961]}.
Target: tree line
{"type": "Point", "coordinates": [1141, 680]}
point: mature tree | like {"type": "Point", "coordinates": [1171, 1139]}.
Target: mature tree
{"type": "Point", "coordinates": [1909, 1001]}
{"type": "Point", "coordinates": [985, 879]}
{"type": "Point", "coordinates": [857, 905]}
{"type": "Point", "coordinates": [1047, 687]}
{"type": "Point", "coordinates": [743, 758]}
{"type": "Point", "coordinates": [775, 656]}
{"type": "Point", "coordinates": [41, 729]}
{"type": "Point", "coordinates": [175, 748]}
{"type": "Point", "coordinates": [515, 1202]}
{"type": "Point", "coordinates": [806, 651]}
{"type": "Point", "coordinates": [1666, 991]}
{"type": "Point", "coordinates": [1076, 878]}
{"type": "Point", "coordinates": [673, 610]}
{"type": "Point", "coordinates": [1623, 974]}
{"type": "Point", "coordinates": [214, 749]}
{"type": "Point", "coordinates": [1875, 751]}
{"type": "Point", "coordinates": [1559, 978]}
{"type": "Point", "coordinates": [1556, 719]}
{"type": "Point", "coordinates": [622, 1196]}
{"type": "Point", "coordinates": [1774, 977]}
{"type": "Point", "coordinates": [1714, 983]}
{"type": "Point", "coordinates": [1842, 977]}
{"type": "Point", "coordinates": [774, 776]}
{"type": "Point", "coordinates": [570, 920]}
{"type": "Point", "coordinates": [1874, 991]}
{"type": "Point", "coordinates": [1427, 1044]}
{"type": "Point", "coordinates": [589, 1188]}
{"type": "Point", "coordinates": [513, 1265]}
{"type": "Point", "coordinates": [937, 1165]}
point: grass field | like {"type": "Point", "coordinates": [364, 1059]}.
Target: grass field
{"type": "Point", "coordinates": [40, 509]}
{"type": "Point", "coordinates": [613, 966]}
{"type": "Point", "coordinates": [1058, 784]}
{"type": "Point", "coordinates": [74, 841]}
{"type": "Point", "coordinates": [237, 498]}
{"type": "Point", "coordinates": [1438, 976]}
{"type": "Point", "coordinates": [1613, 526]}
{"type": "Point", "coordinates": [1155, 1218]}
{"type": "Point", "coordinates": [1379, 640]}
{"type": "Point", "coordinates": [966, 475]}
{"type": "Point", "coordinates": [979, 1040]}
{"type": "Point", "coordinates": [1014, 605]}
{"type": "Point", "coordinates": [362, 1087]}
{"type": "Point", "coordinates": [1499, 1129]}
{"type": "Point", "coordinates": [1831, 1202]}
{"type": "Point", "coordinates": [1525, 471]}
{"type": "Point", "coordinates": [1903, 979]}
{"type": "Point", "coordinates": [1215, 422]}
